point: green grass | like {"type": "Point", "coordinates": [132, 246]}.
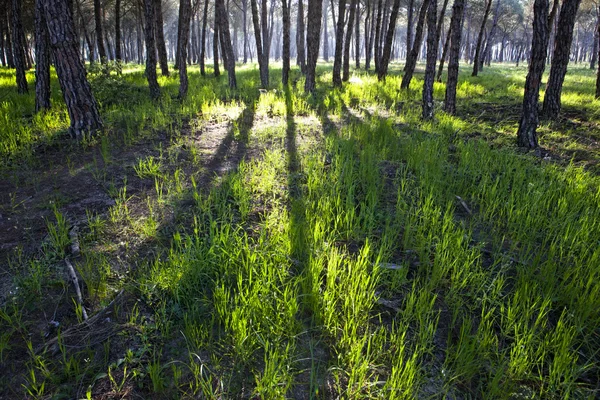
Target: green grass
{"type": "Point", "coordinates": [351, 250]}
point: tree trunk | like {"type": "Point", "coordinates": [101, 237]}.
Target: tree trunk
{"type": "Point", "coordinates": [594, 55]}
{"type": "Point", "coordinates": [10, 57]}
{"type": "Point", "coordinates": [444, 53]}
{"type": "Point", "coordinates": [371, 37]}
{"type": "Point", "coordinates": [325, 33]}
{"type": "Point", "coordinates": [42, 60]}
{"type": "Point", "coordinates": [476, 61]}
{"type": "Point", "coordinates": [118, 30]}
{"type": "Point", "coordinates": [215, 44]}
{"type": "Point", "coordinates": [18, 52]}
{"type": "Point", "coordinates": [490, 37]}
{"type": "Point", "coordinates": [150, 49]}
{"type": "Point", "coordinates": [560, 58]}
{"type": "Point", "coordinates": [245, 28]}
{"type": "Point", "coordinates": [264, 75]}
{"type": "Point", "coordinates": [455, 33]}
{"type": "Point", "coordinates": [339, 43]}
{"type": "Point", "coordinates": [377, 35]}
{"type": "Point", "coordinates": [300, 40]}
{"type": "Point", "coordinates": [313, 33]}
{"type": "Point", "coordinates": [526, 135]}
{"type": "Point", "coordinates": [266, 44]}
{"type": "Point", "coordinates": [357, 36]}
{"type": "Point", "coordinates": [184, 22]}
{"type": "Point", "coordinates": [285, 7]}
{"type": "Point", "coordinates": [223, 22]}
{"type": "Point", "coordinates": [161, 47]}
{"type": "Point", "coordinates": [409, 27]}
{"type": "Point", "coordinates": [81, 104]}
{"type": "Point", "coordinates": [411, 60]}
{"type": "Point", "coordinates": [2, 43]}
{"type": "Point", "coordinates": [203, 43]}
{"type": "Point", "coordinates": [347, 41]}
{"type": "Point", "coordinates": [88, 38]}
{"type": "Point", "coordinates": [432, 50]}
{"type": "Point", "coordinates": [387, 47]}
{"type": "Point", "coordinates": [99, 31]}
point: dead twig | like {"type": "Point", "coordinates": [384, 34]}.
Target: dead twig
{"type": "Point", "coordinates": [77, 289]}
{"type": "Point", "coordinates": [464, 204]}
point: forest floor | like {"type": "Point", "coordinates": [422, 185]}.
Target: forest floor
{"type": "Point", "coordinates": [270, 244]}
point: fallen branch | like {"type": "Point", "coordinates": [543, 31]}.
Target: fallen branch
{"type": "Point", "coordinates": [77, 289]}
{"type": "Point", "coordinates": [94, 330]}
{"type": "Point", "coordinates": [464, 204]}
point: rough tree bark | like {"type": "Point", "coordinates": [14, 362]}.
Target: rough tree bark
{"type": "Point", "coordinates": [560, 58]}
{"type": "Point", "coordinates": [526, 134]}
{"type": "Point", "coordinates": [409, 28]}
{"type": "Point", "coordinates": [99, 31]}
{"type": "Point", "coordinates": [150, 46]}
{"type": "Point", "coordinates": [77, 92]}
{"type": "Point", "coordinates": [347, 41]}
{"type": "Point", "coordinates": [376, 51]}
{"type": "Point", "coordinates": [339, 43]}
{"type": "Point", "coordinates": [18, 52]}
{"type": "Point", "coordinates": [411, 60]}
{"type": "Point", "coordinates": [285, 72]}
{"type": "Point", "coordinates": [259, 34]}
{"type": "Point", "coordinates": [203, 44]}
{"type": "Point", "coordinates": [387, 47]}
{"type": "Point", "coordinates": [159, 35]}
{"type": "Point", "coordinates": [42, 60]}
{"type": "Point", "coordinates": [486, 14]}
{"type": "Point", "coordinates": [458, 11]}
{"type": "Point", "coordinates": [367, 35]}
{"type": "Point", "coordinates": [325, 33]}
{"type": "Point", "coordinates": [223, 22]}
{"type": "Point", "coordinates": [184, 22]}
{"type": "Point", "coordinates": [313, 39]}
{"type": "Point", "coordinates": [432, 50]}
{"type": "Point", "coordinates": [118, 56]}
{"type": "Point", "coordinates": [300, 38]}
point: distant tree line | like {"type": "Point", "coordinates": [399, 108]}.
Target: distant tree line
{"type": "Point", "coordinates": [366, 33]}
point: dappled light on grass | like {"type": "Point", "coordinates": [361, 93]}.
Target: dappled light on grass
{"type": "Point", "coordinates": [277, 244]}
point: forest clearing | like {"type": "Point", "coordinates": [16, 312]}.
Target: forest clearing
{"type": "Point", "coordinates": [316, 231]}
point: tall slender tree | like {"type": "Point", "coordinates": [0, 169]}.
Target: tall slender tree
{"type": "Point", "coordinates": [99, 31]}
{"type": "Point", "coordinates": [285, 71]}
{"type": "Point", "coordinates": [184, 22]}
{"type": "Point", "coordinates": [389, 38]}
{"type": "Point", "coordinates": [118, 55]}
{"type": "Point", "coordinates": [226, 41]}
{"type": "Point", "coordinates": [261, 35]}
{"type": "Point", "coordinates": [325, 33]}
{"type": "Point", "coordinates": [527, 132]}
{"type": "Point", "coordinates": [490, 37]}
{"type": "Point", "coordinates": [458, 11]}
{"type": "Point", "coordinates": [300, 38]}
{"type": "Point", "coordinates": [411, 59]}
{"type": "Point", "coordinates": [348, 40]}
{"type": "Point", "coordinates": [215, 44]}
{"type": "Point", "coordinates": [17, 41]}
{"type": "Point", "coordinates": [313, 39]}
{"type": "Point", "coordinates": [409, 25]}
{"type": "Point", "coordinates": [432, 50]}
{"type": "Point", "coordinates": [444, 54]}
{"type": "Point", "coordinates": [478, 48]}
{"type": "Point", "coordinates": [203, 39]}
{"type": "Point", "coordinates": [160, 38]}
{"type": "Point", "coordinates": [560, 58]}
{"type": "Point", "coordinates": [77, 92]}
{"type": "Point", "coordinates": [339, 43]}
{"type": "Point", "coordinates": [150, 49]}
{"type": "Point", "coordinates": [42, 59]}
